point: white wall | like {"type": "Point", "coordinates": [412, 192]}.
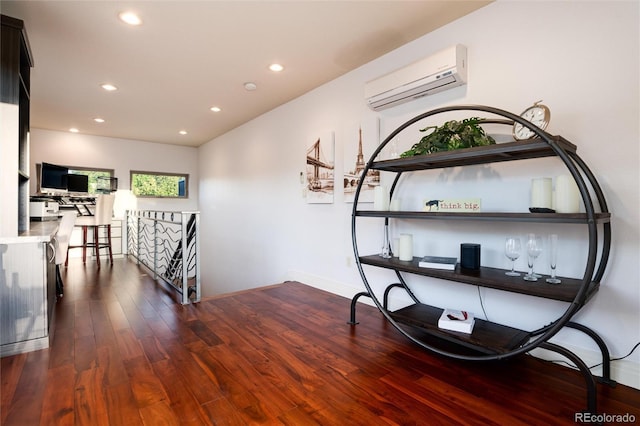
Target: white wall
{"type": "Point", "coordinates": [9, 169]}
{"type": "Point", "coordinates": [122, 155]}
{"type": "Point", "coordinates": [581, 58]}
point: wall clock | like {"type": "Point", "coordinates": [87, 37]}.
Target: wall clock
{"type": "Point", "coordinates": [537, 114]}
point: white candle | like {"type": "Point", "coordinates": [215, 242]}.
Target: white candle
{"type": "Point", "coordinates": [405, 249]}
{"type": "Point", "coordinates": [541, 193]}
{"type": "Point", "coordinates": [380, 198]}
{"type": "Point", "coordinates": [567, 195]}
{"type": "Point", "coordinates": [395, 247]}
{"type": "Point", "coordinates": [395, 205]}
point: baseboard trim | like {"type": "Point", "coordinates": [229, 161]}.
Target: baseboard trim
{"type": "Point", "coordinates": [335, 287]}
{"type": "Point", "coordinates": [24, 346]}
{"type": "Point", "coordinates": [625, 372]}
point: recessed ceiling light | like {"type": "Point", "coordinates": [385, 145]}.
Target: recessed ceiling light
{"type": "Point", "coordinates": [108, 87]}
{"type": "Point", "coordinates": [74, 130]}
{"type": "Point", "coordinates": [216, 109]}
{"type": "Point", "coordinates": [276, 67]}
{"type": "Point", "coordinates": [130, 18]}
{"type": "Point", "coordinates": [183, 132]}
{"type": "Point", "coordinates": [250, 86]}
{"type": "Point", "coordinates": [98, 120]}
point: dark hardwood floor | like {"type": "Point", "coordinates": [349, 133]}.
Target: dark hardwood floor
{"type": "Point", "coordinates": [126, 353]}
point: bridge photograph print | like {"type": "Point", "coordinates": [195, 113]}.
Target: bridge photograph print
{"type": "Point", "coordinates": [320, 169]}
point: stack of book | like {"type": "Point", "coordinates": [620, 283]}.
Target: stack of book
{"type": "Point", "coordinates": [438, 262]}
{"type": "Point", "coordinates": [454, 320]}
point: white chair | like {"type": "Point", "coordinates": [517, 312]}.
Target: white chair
{"type": "Point", "coordinates": [61, 238]}
{"type": "Point", "coordinates": [101, 219]}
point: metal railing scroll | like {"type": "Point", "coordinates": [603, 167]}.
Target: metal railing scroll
{"type": "Point", "coordinates": [167, 243]}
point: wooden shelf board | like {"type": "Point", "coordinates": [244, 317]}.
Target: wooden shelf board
{"type": "Point", "coordinates": [489, 216]}
{"type": "Point", "coordinates": [490, 278]}
{"type": "Point", "coordinates": [508, 151]}
{"type": "Point", "coordinates": [486, 337]}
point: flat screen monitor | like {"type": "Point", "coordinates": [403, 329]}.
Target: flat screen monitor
{"type": "Point", "coordinates": [77, 183]}
{"type": "Point", "coordinates": [52, 178]}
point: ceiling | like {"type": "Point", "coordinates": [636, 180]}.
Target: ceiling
{"type": "Point", "coordinates": [188, 56]}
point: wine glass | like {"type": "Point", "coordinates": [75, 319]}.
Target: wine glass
{"type": "Point", "coordinates": [553, 257]}
{"type": "Point", "coordinates": [512, 251]}
{"type": "Point", "coordinates": [534, 248]}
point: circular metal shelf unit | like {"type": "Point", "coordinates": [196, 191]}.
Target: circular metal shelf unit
{"type": "Point", "coordinates": [584, 178]}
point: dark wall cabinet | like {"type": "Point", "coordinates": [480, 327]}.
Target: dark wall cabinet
{"type": "Point", "coordinates": [16, 61]}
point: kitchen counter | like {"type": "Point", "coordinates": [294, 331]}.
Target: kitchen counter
{"type": "Point", "coordinates": [38, 232]}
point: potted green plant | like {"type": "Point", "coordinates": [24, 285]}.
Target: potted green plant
{"type": "Point", "coordinates": [451, 135]}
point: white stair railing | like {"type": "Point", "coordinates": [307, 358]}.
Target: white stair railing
{"type": "Point", "coordinates": [168, 244]}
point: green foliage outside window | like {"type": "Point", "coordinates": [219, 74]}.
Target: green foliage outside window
{"type": "Point", "coordinates": [149, 184]}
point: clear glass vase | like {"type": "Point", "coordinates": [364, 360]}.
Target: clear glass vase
{"type": "Point", "coordinates": [386, 248]}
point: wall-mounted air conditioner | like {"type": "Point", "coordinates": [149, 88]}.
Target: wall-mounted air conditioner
{"type": "Point", "coordinates": [443, 70]}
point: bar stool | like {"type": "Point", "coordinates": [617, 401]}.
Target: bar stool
{"type": "Point", "coordinates": [101, 219]}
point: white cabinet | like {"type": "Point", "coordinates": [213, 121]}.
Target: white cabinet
{"type": "Point", "coordinates": [27, 291]}
{"type": "Point", "coordinates": [117, 237]}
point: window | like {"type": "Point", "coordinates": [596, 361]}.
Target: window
{"type": "Point", "coordinates": [95, 176]}
{"type": "Point", "coordinates": [160, 185]}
